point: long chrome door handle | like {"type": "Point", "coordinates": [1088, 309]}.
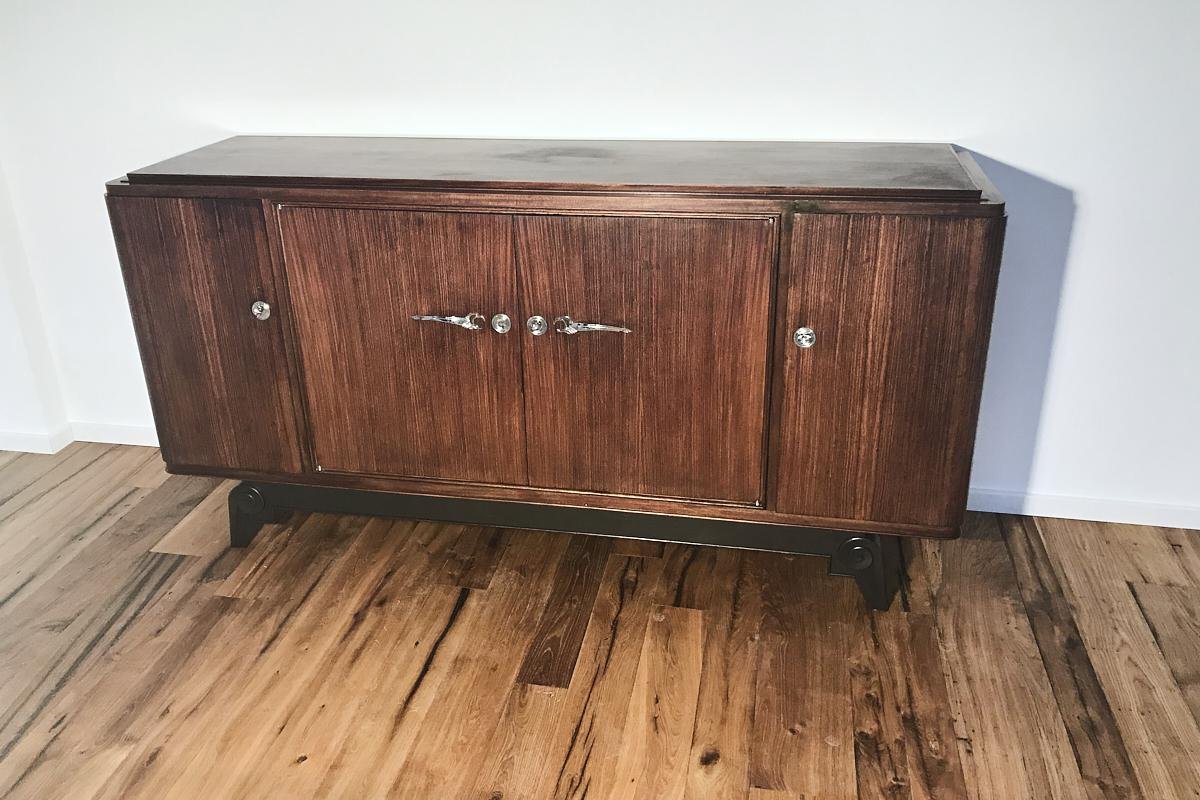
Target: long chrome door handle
{"type": "Point", "coordinates": [565, 324]}
{"type": "Point", "coordinates": [472, 321]}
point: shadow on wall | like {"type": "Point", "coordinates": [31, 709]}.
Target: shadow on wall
{"type": "Point", "coordinates": [1040, 218]}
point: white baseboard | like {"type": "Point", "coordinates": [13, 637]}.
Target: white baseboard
{"type": "Point", "coordinates": [1092, 508]}
{"type": "Point", "coordinates": [115, 434]}
{"type": "Point", "coordinates": [23, 442]}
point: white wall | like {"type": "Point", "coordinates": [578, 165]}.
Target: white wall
{"type": "Point", "coordinates": [32, 416]}
{"type": "Point", "coordinates": [1083, 112]}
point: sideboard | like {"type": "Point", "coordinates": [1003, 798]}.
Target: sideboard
{"type": "Point", "coordinates": [768, 345]}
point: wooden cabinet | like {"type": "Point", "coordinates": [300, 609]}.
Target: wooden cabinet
{"type": "Point", "coordinates": [790, 351]}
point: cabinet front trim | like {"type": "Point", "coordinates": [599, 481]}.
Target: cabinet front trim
{"type": "Point", "coordinates": [567, 497]}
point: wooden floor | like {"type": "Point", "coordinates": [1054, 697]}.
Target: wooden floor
{"type": "Point", "coordinates": [363, 658]}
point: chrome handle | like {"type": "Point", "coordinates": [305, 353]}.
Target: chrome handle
{"type": "Point", "coordinates": [261, 310]}
{"type": "Point", "coordinates": [565, 324]}
{"type": "Point", "coordinates": [471, 322]}
{"type": "Point", "coordinates": [804, 337]}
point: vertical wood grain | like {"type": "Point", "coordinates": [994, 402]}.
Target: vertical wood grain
{"type": "Point", "coordinates": [652, 763]}
{"type": "Point", "coordinates": [520, 751]}
{"type": "Point", "coordinates": [1095, 737]}
{"type": "Point", "coordinates": [218, 378]}
{"type": "Point", "coordinates": [677, 407]}
{"type": "Point", "coordinates": [1173, 614]}
{"type": "Point", "coordinates": [484, 671]}
{"type": "Point", "coordinates": [1159, 731]}
{"type": "Point", "coordinates": [588, 735]}
{"type": "Point", "coordinates": [730, 597]}
{"type": "Point", "coordinates": [550, 658]}
{"type": "Point", "coordinates": [904, 742]}
{"type": "Point", "coordinates": [878, 418]}
{"type": "Point", "coordinates": [473, 558]}
{"type": "Point", "coordinates": [803, 739]}
{"type": "Point", "coordinates": [1011, 735]}
{"type": "Point", "coordinates": [389, 395]}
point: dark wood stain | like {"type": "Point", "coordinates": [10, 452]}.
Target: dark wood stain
{"type": "Point", "coordinates": [551, 656]}
{"type": "Point", "coordinates": [218, 379]}
{"type": "Point", "coordinates": [1090, 723]}
{"type": "Point", "coordinates": [904, 740]}
{"type": "Point", "coordinates": [444, 402]}
{"type": "Point", "coordinates": [677, 407]}
{"type": "Point", "coordinates": [712, 252]}
{"type": "Point", "coordinates": [638, 547]}
{"type": "Point", "coordinates": [826, 168]}
{"type": "Point", "coordinates": [878, 418]}
{"type": "Point", "coordinates": [472, 559]}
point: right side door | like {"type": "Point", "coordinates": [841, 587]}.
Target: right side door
{"type": "Point", "coordinates": [878, 413]}
{"type": "Point", "coordinates": [676, 407]}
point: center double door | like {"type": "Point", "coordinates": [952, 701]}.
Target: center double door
{"type": "Point", "coordinates": [675, 408]}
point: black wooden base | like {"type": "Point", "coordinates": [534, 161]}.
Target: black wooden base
{"type": "Point", "coordinates": [871, 559]}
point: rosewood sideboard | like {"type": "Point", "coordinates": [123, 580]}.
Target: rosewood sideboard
{"type": "Point", "coordinates": [766, 345]}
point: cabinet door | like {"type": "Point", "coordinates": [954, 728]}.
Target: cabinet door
{"type": "Point", "coordinates": [675, 408]}
{"type": "Point", "coordinates": [217, 376]}
{"type": "Point", "coordinates": [390, 395]}
{"type": "Point", "coordinates": [878, 415]}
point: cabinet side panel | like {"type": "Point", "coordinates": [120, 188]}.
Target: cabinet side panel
{"type": "Point", "coordinates": [217, 376]}
{"type": "Point", "coordinates": [878, 418]}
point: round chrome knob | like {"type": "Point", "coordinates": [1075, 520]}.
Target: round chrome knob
{"type": "Point", "coordinates": [261, 309]}
{"type": "Point", "coordinates": [501, 323]}
{"type": "Point", "coordinates": [804, 337]}
{"type": "Point", "coordinates": [537, 325]}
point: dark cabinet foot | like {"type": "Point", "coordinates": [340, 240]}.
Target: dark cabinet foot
{"type": "Point", "coordinates": [874, 563]}
{"type": "Point", "coordinates": [873, 560]}
{"type": "Point", "coordinates": [248, 511]}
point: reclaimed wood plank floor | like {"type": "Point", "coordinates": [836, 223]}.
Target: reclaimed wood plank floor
{"type": "Point", "coordinates": [348, 657]}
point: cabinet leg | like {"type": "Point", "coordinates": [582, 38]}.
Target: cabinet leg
{"type": "Point", "coordinates": [248, 511]}
{"type": "Point", "coordinates": [873, 560]}
{"type": "Point", "coordinates": [874, 563]}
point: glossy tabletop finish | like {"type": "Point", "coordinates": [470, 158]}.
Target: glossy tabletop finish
{"type": "Point", "coordinates": [829, 169]}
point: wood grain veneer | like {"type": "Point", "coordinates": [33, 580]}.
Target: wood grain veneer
{"type": "Point", "coordinates": [878, 418]}
{"type": "Point", "coordinates": [390, 395]}
{"type": "Point", "coordinates": [873, 169]}
{"type": "Point", "coordinates": [677, 407]}
{"type": "Point", "coordinates": [713, 253]}
{"type": "Point", "coordinates": [218, 378]}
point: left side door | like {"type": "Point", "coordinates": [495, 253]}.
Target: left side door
{"type": "Point", "coordinates": [390, 395]}
{"type": "Point", "coordinates": [217, 374]}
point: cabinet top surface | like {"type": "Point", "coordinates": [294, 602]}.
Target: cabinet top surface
{"type": "Point", "coordinates": [853, 169]}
